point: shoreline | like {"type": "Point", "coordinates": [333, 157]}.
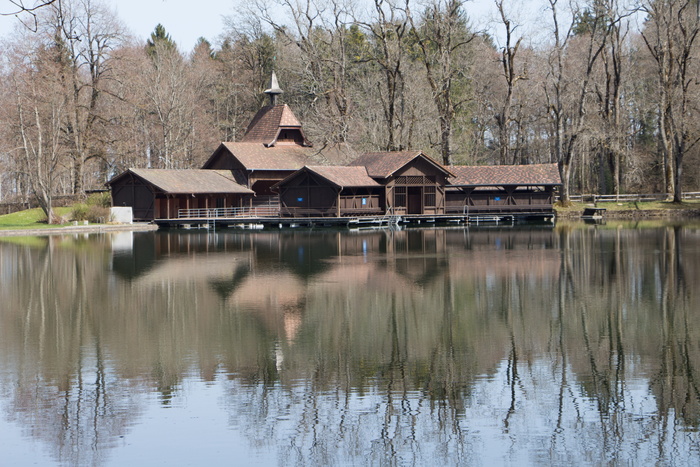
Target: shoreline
{"type": "Point", "coordinates": [635, 214]}
{"type": "Point", "coordinates": [79, 229]}
{"type": "Point", "coordinates": [625, 214]}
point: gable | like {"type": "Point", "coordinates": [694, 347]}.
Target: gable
{"type": "Point", "coordinates": [419, 166]}
{"type": "Point", "coordinates": [275, 123]}
{"type": "Point", "coordinates": [304, 178]}
{"type": "Point", "coordinates": [223, 159]}
{"type": "Point", "coordinates": [386, 164]}
{"type": "Point", "coordinates": [338, 176]}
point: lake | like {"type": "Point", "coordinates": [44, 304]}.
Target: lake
{"type": "Point", "coordinates": [567, 344]}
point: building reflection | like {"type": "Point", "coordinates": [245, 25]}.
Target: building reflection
{"type": "Point", "coordinates": [422, 318]}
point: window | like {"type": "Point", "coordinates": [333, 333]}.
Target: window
{"type": "Point", "coordinates": [400, 196]}
{"type": "Point", "coordinates": [429, 196]}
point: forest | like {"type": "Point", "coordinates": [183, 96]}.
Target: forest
{"type": "Point", "coordinates": [612, 95]}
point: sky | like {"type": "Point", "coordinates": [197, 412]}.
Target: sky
{"type": "Point", "coordinates": [187, 20]}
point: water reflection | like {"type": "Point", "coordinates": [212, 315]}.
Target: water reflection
{"type": "Point", "coordinates": [574, 344]}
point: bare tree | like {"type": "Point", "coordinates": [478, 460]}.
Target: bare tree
{"type": "Point", "coordinates": [19, 9]}
{"type": "Point", "coordinates": [441, 37]}
{"type": "Point", "coordinates": [566, 94]}
{"type": "Point", "coordinates": [38, 118]}
{"type": "Point", "coordinates": [320, 31]}
{"type": "Point", "coordinates": [87, 33]}
{"type": "Point", "coordinates": [244, 64]}
{"type": "Point", "coordinates": [612, 132]}
{"type": "Point", "coordinates": [387, 51]}
{"type": "Point", "coordinates": [670, 37]}
{"type": "Point", "coordinates": [170, 101]}
{"type": "Point", "coordinates": [512, 77]}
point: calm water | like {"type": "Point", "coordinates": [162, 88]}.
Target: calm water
{"type": "Point", "coordinates": [568, 345]}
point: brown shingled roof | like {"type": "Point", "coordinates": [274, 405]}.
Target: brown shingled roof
{"type": "Point", "coordinates": [385, 164]}
{"type": "Point", "coordinates": [344, 176]}
{"type": "Point", "coordinates": [340, 176]}
{"type": "Point", "coordinates": [256, 156]}
{"type": "Point", "coordinates": [268, 122]}
{"type": "Point", "coordinates": [189, 180]}
{"type": "Point", "coordinates": [497, 175]}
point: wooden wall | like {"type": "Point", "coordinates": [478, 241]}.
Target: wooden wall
{"type": "Point", "coordinates": [499, 200]}
{"type": "Point", "coordinates": [133, 191]}
{"type": "Point", "coordinates": [417, 189]}
{"type": "Point", "coordinates": [308, 195]}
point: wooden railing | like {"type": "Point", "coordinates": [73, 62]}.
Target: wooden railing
{"type": "Point", "coordinates": [292, 211]}
{"type": "Point", "coordinates": [500, 208]}
{"type": "Point", "coordinates": [629, 198]}
{"type": "Point", "coordinates": [208, 213]}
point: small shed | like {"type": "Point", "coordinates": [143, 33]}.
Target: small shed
{"type": "Point", "coordinates": [413, 182]}
{"type": "Point", "coordinates": [162, 193]}
{"type": "Point", "coordinates": [330, 191]}
{"type": "Point", "coordinates": [511, 189]}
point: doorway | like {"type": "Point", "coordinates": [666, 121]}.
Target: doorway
{"type": "Point", "coordinates": [415, 200]}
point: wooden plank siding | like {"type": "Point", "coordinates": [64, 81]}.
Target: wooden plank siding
{"type": "Point", "coordinates": [499, 200]}
{"type": "Point", "coordinates": [160, 194]}
{"type": "Point", "coordinates": [412, 191]}
{"type": "Point", "coordinates": [137, 193]}
{"type": "Point", "coordinates": [360, 201]}
{"type": "Point", "coordinates": [310, 195]}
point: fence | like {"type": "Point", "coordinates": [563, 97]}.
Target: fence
{"type": "Point", "coordinates": [629, 198]}
{"type": "Point", "coordinates": [228, 213]}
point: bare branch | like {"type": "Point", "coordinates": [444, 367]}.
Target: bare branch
{"type": "Point", "coordinates": [22, 8]}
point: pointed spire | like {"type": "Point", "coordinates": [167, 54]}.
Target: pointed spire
{"type": "Point", "coordinates": [274, 89]}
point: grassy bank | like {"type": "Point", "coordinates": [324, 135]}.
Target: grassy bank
{"type": "Point", "coordinates": [641, 209]}
{"type": "Point", "coordinates": [31, 219]}
{"type": "Point", "coordinates": [95, 209]}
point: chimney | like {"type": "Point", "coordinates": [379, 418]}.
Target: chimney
{"type": "Point", "coordinates": [274, 89]}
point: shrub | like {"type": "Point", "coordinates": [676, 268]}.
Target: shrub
{"type": "Point", "coordinates": [79, 212]}
{"type": "Point", "coordinates": [98, 214]}
{"type": "Point", "coordinates": [102, 199]}
{"type": "Point", "coordinates": [96, 209]}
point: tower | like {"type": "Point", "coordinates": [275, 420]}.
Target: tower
{"type": "Point", "coordinates": [274, 90]}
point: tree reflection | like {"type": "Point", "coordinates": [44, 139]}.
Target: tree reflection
{"type": "Point", "coordinates": [61, 387]}
{"type": "Point", "coordinates": [387, 345]}
{"type": "Point", "coordinates": [674, 383]}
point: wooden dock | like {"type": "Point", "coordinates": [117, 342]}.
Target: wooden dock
{"type": "Point", "coordinates": [351, 222]}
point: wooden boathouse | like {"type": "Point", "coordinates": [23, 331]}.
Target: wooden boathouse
{"type": "Point", "coordinates": [155, 194]}
{"type": "Point", "coordinates": [330, 191]}
{"type": "Point", "coordinates": [520, 190]}
{"type": "Point", "coordinates": [274, 176]}
{"type": "Point", "coordinates": [414, 184]}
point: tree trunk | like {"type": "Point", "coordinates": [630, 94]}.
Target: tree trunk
{"type": "Point", "coordinates": [677, 186]}
{"type": "Point", "coordinates": [445, 139]}
{"type": "Point", "coordinates": [565, 173]}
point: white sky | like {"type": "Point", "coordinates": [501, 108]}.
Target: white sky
{"type": "Point", "coordinates": [187, 20]}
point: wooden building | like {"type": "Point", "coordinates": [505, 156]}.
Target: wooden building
{"type": "Point", "coordinates": [335, 191]}
{"type": "Point", "coordinates": [258, 167]}
{"type": "Point", "coordinates": [161, 193]}
{"type": "Point", "coordinates": [413, 182]}
{"type": "Point", "coordinates": [515, 189]}
{"type": "Point", "coordinates": [274, 164]}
